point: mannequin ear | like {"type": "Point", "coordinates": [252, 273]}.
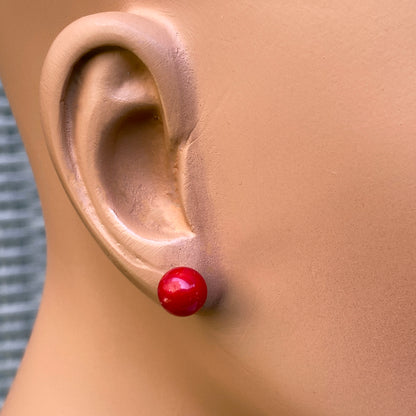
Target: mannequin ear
{"type": "Point", "coordinates": [117, 111]}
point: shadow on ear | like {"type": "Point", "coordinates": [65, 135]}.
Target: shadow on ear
{"type": "Point", "coordinates": [118, 109]}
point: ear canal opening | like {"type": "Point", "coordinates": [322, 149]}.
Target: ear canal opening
{"type": "Point", "coordinates": [118, 138]}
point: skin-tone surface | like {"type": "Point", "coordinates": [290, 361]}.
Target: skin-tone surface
{"type": "Point", "coordinates": [277, 158]}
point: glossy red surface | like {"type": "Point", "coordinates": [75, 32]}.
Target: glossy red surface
{"type": "Point", "coordinates": [182, 291]}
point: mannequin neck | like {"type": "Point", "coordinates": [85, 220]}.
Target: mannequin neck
{"type": "Point", "coordinates": [99, 346]}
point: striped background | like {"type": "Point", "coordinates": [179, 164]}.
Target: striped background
{"type": "Point", "coordinates": [22, 248]}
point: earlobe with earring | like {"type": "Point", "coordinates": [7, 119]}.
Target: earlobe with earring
{"type": "Point", "coordinates": [182, 291]}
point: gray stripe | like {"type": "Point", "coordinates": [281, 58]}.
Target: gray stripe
{"type": "Point", "coordinates": [22, 248]}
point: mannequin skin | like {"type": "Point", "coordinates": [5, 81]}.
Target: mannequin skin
{"type": "Point", "coordinates": [277, 159]}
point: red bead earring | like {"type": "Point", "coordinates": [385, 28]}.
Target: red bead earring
{"type": "Point", "coordinates": [182, 291]}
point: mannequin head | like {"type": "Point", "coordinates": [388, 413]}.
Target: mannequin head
{"type": "Point", "coordinates": [268, 145]}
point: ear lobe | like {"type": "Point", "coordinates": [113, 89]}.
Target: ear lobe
{"type": "Point", "coordinates": [117, 110]}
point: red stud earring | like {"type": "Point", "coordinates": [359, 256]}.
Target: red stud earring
{"type": "Point", "coordinates": [182, 291]}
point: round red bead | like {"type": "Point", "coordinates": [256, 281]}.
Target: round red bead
{"type": "Point", "coordinates": [182, 291]}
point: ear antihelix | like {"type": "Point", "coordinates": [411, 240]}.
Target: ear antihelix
{"type": "Point", "coordinates": [117, 110]}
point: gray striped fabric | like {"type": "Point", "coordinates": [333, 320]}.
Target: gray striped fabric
{"type": "Point", "coordinates": [22, 248]}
